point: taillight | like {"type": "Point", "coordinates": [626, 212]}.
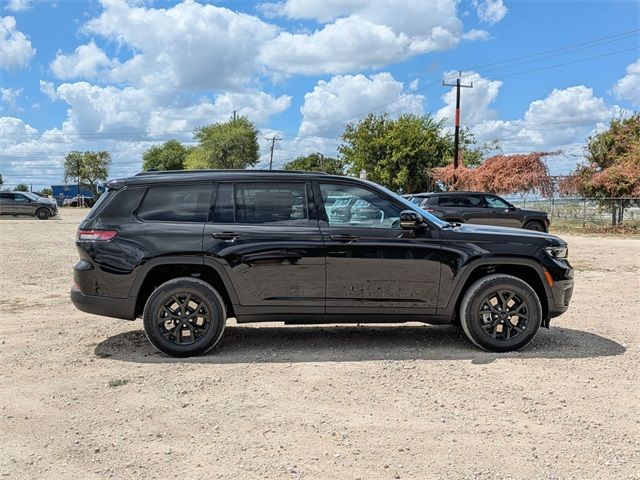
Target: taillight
{"type": "Point", "coordinates": [96, 235]}
{"type": "Point", "coordinates": [427, 209]}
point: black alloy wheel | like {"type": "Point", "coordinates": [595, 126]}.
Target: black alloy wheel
{"type": "Point", "coordinates": [500, 313]}
{"type": "Point", "coordinates": [184, 317]}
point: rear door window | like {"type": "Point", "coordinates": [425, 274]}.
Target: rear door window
{"type": "Point", "coordinates": [176, 203]}
{"type": "Point", "coordinates": [449, 201]}
{"type": "Point", "coordinates": [275, 203]}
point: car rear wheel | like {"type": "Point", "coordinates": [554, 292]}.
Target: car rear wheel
{"type": "Point", "coordinates": [43, 213]}
{"type": "Point", "coordinates": [536, 226]}
{"type": "Point", "coordinates": [500, 313]}
{"type": "Point", "coordinates": [184, 317]}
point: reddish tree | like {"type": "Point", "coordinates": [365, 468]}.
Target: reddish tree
{"type": "Point", "coordinates": [502, 174]}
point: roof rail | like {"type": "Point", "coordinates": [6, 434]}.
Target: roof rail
{"type": "Point", "coordinates": [174, 172]}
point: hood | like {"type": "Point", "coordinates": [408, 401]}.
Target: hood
{"type": "Point", "coordinates": [488, 233]}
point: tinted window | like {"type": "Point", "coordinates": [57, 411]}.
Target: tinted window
{"type": "Point", "coordinates": [20, 198]}
{"type": "Point", "coordinates": [473, 201]}
{"type": "Point", "coordinates": [495, 202]}
{"type": "Point", "coordinates": [180, 203]}
{"type": "Point", "coordinates": [448, 201]}
{"type": "Point", "coordinates": [358, 207]}
{"type": "Point", "coordinates": [222, 210]}
{"type": "Point", "coordinates": [6, 196]}
{"type": "Point", "coordinates": [271, 203]}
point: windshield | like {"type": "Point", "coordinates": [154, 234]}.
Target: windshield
{"type": "Point", "coordinates": [412, 206]}
{"type": "Point", "coordinates": [32, 196]}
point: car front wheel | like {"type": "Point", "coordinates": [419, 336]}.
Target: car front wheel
{"type": "Point", "coordinates": [500, 313]}
{"type": "Point", "coordinates": [43, 213]}
{"type": "Point", "coordinates": [184, 317]}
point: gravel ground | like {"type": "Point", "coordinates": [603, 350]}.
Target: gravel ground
{"type": "Point", "coordinates": [88, 397]}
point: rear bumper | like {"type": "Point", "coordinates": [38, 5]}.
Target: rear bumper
{"type": "Point", "coordinates": [123, 308]}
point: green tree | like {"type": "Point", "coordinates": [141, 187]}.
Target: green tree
{"type": "Point", "coordinates": [612, 167]}
{"type": "Point", "coordinates": [397, 153]}
{"type": "Point", "coordinates": [311, 163]}
{"type": "Point", "coordinates": [46, 192]}
{"type": "Point", "coordinates": [87, 168]}
{"type": "Point", "coordinates": [232, 144]}
{"type": "Point", "coordinates": [168, 156]}
{"type": "Point", "coordinates": [22, 187]}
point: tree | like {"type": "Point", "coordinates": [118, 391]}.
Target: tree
{"type": "Point", "coordinates": [612, 167]}
{"type": "Point", "coordinates": [232, 144]}
{"type": "Point", "coordinates": [87, 167]}
{"type": "Point", "coordinates": [397, 153]}
{"type": "Point", "coordinates": [1, 181]}
{"type": "Point", "coordinates": [502, 174]}
{"type": "Point", "coordinates": [47, 192]}
{"type": "Point", "coordinates": [168, 156]}
{"type": "Point", "coordinates": [311, 163]}
{"type": "Point", "coordinates": [22, 187]}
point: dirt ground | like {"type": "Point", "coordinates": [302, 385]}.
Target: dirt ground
{"type": "Point", "coordinates": [87, 397]}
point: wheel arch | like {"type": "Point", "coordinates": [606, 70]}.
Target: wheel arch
{"type": "Point", "coordinates": [158, 271]}
{"type": "Point", "coordinates": [525, 269]}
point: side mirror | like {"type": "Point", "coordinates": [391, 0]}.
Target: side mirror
{"type": "Point", "coordinates": [410, 220]}
{"type": "Point", "coordinates": [511, 207]}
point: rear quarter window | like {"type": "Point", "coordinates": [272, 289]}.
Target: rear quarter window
{"type": "Point", "coordinates": [176, 203]}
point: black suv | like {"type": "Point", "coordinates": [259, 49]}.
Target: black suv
{"type": "Point", "coordinates": [27, 203]}
{"type": "Point", "coordinates": [186, 250]}
{"type": "Point", "coordinates": [481, 208]}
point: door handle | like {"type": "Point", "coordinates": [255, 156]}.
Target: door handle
{"type": "Point", "coordinates": [344, 237]}
{"type": "Point", "coordinates": [230, 236]}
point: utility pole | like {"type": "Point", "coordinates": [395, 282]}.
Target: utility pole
{"type": "Point", "coordinates": [322, 162]}
{"type": "Point", "coordinates": [78, 173]}
{"type": "Point", "coordinates": [273, 141]}
{"type": "Point", "coordinates": [234, 115]}
{"type": "Point", "coordinates": [456, 138]}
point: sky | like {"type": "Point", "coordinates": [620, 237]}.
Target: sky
{"type": "Point", "coordinates": [121, 75]}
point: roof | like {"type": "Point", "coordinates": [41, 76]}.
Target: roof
{"type": "Point", "coordinates": [186, 176]}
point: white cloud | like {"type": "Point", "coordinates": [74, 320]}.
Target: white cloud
{"type": "Point", "coordinates": [475, 102]}
{"type": "Point", "coordinates": [475, 34]}
{"type": "Point", "coordinates": [363, 34]}
{"type": "Point", "coordinates": [189, 45]}
{"type": "Point", "coordinates": [9, 97]}
{"type": "Point", "coordinates": [18, 5]}
{"type": "Point", "coordinates": [15, 48]}
{"type": "Point", "coordinates": [628, 87]}
{"type": "Point", "coordinates": [113, 110]}
{"type": "Point", "coordinates": [85, 62]}
{"type": "Point", "coordinates": [490, 11]}
{"type": "Point", "coordinates": [49, 90]}
{"type": "Point", "coordinates": [346, 97]}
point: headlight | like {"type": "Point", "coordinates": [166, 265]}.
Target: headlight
{"type": "Point", "coordinates": [557, 252]}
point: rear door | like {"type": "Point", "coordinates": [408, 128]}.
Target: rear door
{"type": "Point", "coordinates": [266, 236]}
{"type": "Point", "coordinates": [474, 209]}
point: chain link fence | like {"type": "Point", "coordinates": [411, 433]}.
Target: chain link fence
{"type": "Point", "coordinates": [586, 212]}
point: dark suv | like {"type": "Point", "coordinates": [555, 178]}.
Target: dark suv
{"type": "Point", "coordinates": [27, 203]}
{"type": "Point", "coordinates": [481, 208]}
{"type": "Point", "coordinates": [186, 250]}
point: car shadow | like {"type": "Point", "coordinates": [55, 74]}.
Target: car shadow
{"type": "Point", "coordinates": [256, 344]}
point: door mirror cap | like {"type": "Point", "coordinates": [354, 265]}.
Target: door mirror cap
{"type": "Point", "coordinates": [410, 220]}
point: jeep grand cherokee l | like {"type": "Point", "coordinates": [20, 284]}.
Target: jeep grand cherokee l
{"type": "Point", "coordinates": [186, 250]}
{"type": "Point", "coordinates": [481, 208]}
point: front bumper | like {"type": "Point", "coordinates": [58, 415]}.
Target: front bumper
{"type": "Point", "coordinates": [123, 308]}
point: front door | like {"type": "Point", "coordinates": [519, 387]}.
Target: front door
{"type": "Point", "coordinates": [502, 214]}
{"type": "Point", "coordinates": [266, 237]}
{"type": "Point", "coordinates": [374, 266]}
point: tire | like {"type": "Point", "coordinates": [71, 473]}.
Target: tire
{"type": "Point", "coordinates": [497, 332]}
{"type": "Point", "coordinates": [43, 213]}
{"type": "Point", "coordinates": [535, 226]}
{"type": "Point", "coordinates": [170, 304]}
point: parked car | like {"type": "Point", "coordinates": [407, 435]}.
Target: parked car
{"type": "Point", "coordinates": [79, 201]}
{"type": "Point", "coordinates": [483, 209]}
{"type": "Point", "coordinates": [27, 203]}
{"type": "Point", "coordinates": [186, 250]}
